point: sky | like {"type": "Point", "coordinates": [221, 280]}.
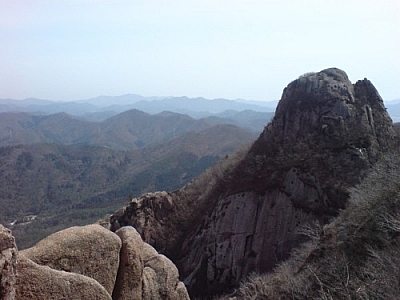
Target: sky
{"type": "Point", "coordinates": [77, 49]}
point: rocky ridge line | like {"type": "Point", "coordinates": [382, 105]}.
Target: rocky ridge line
{"type": "Point", "coordinates": [326, 135]}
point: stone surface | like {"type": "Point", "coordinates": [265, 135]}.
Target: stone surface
{"type": "Point", "coordinates": [151, 215]}
{"type": "Point", "coordinates": [129, 279]}
{"type": "Point", "coordinates": [8, 264]}
{"type": "Point", "coordinates": [143, 273]}
{"type": "Point", "coordinates": [90, 250]}
{"type": "Point", "coordinates": [245, 232]}
{"type": "Point", "coordinates": [161, 277]}
{"type": "Point", "coordinates": [41, 282]}
{"type": "Point", "coordinates": [325, 136]}
{"type": "Point", "coordinates": [87, 262]}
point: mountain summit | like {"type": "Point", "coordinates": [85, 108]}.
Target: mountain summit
{"type": "Point", "coordinates": [325, 136]}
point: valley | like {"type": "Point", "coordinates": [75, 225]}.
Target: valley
{"type": "Point", "coordinates": [67, 171]}
{"type": "Point", "coordinates": [309, 209]}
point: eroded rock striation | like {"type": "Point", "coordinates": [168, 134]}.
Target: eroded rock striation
{"type": "Point", "coordinates": [325, 136]}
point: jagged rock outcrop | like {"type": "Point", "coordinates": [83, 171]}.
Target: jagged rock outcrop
{"type": "Point", "coordinates": [90, 250]}
{"type": "Point", "coordinates": [325, 136]}
{"type": "Point", "coordinates": [8, 264]}
{"type": "Point", "coordinates": [151, 211]}
{"type": "Point", "coordinates": [88, 262]}
{"type": "Point", "coordinates": [145, 274]}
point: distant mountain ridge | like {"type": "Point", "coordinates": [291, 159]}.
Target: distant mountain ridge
{"type": "Point", "coordinates": [128, 130]}
{"type": "Point", "coordinates": [194, 107]}
{"type": "Point", "coordinates": [393, 108]}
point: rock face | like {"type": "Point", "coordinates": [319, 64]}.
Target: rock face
{"type": "Point", "coordinates": [87, 262]}
{"type": "Point", "coordinates": [325, 136]}
{"type": "Point", "coordinates": [40, 282]}
{"type": "Point", "coordinates": [90, 250]}
{"type": "Point", "coordinates": [151, 211]}
{"type": "Point", "coordinates": [8, 264]}
{"type": "Point", "coordinates": [145, 274]}
{"type": "Point", "coordinates": [129, 280]}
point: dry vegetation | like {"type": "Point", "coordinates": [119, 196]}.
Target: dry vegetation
{"type": "Point", "coordinates": [354, 257]}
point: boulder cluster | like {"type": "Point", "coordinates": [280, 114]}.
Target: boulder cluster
{"type": "Point", "coordinates": [87, 262]}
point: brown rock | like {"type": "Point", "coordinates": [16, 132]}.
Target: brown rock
{"type": "Point", "coordinates": [90, 250]}
{"type": "Point", "coordinates": [148, 222]}
{"type": "Point", "coordinates": [41, 282]}
{"type": "Point", "coordinates": [161, 277]}
{"type": "Point", "coordinates": [8, 264]}
{"type": "Point", "coordinates": [129, 279]}
{"type": "Point", "coordinates": [145, 274]}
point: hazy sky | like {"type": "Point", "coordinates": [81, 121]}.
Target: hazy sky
{"type": "Point", "coordinates": [69, 50]}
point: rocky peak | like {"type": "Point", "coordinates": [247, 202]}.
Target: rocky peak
{"type": "Point", "coordinates": [323, 139]}
{"type": "Point", "coordinates": [325, 136]}
{"type": "Point", "coordinates": [324, 125]}
{"type": "Point", "coordinates": [326, 110]}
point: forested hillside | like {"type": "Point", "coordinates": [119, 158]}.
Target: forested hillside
{"type": "Point", "coordinates": [46, 187]}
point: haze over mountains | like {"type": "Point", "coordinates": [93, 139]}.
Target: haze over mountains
{"type": "Point", "coordinates": [128, 130]}
{"type": "Point", "coordinates": [103, 107]}
{"type": "Point", "coordinates": [108, 105]}
{"type": "Point", "coordinates": [324, 171]}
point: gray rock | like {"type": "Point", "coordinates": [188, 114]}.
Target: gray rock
{"type": "Point", "coordinates": [150, 214]}
{"type": "Point", "coordinates": [8, 264]}
{"type": "Point", "coordinates": [326, 135]}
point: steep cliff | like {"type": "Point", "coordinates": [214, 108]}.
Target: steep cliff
{"type": "Point", "coordinates": [325, 136]}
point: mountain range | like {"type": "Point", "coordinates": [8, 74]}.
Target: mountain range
{"type": "Point", "coordinates": [102, 107]}
{"type": "Point", "coordinates": [309, 210]}
{"type": "Point", "coordinates": [74, 170]}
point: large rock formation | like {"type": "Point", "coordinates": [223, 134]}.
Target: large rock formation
{"type": "Point", "coordinates": [325, 136]}
{"type": "Point", "coordinates": [87, 262]}
{"type": "Point", "coordinates": [90, 250]}
{"type": "Point", "coordinates": [145, 274]}
{"type": "Point", "coordinates": [8, 264]}
{"type": "Point", "coordinates": [41, 282]}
